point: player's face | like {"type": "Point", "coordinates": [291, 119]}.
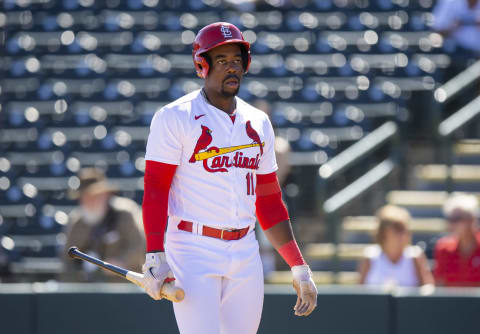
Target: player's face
{"type": "Point", "coordinates": [226, 71]}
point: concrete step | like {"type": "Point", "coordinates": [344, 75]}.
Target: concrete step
{"type": "Point", "coordinates": [325, 251]}
{"type": "Point", "coordinates": [467, 147]}
{"type": "Point", "coordinates": [438, 173]}
{"type": "Point", "coordinates": [409, 198]}
{"type": "Point", "coordinates": [37, 265]}
{"type": "Point", "coordinates": [369, 224]}
{"type": "Point", "coordinates": [319, 277]}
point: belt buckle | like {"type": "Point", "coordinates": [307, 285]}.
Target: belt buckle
{"type": "Point", "coordinates": [228, 230]}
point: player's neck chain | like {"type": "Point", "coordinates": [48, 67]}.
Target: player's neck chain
{"type": "Point", "coordinates": [234, 102]}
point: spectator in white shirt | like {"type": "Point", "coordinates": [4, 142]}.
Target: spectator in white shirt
{"type": "Point", "coordinates": [394, 261]}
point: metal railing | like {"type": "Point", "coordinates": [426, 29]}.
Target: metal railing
{"type": "Point", "coordinates": [447, 128]}
{"type": "Point", "coordinates": [358, 151]}
{"type": "Point", "coordinates": [388, 132]}
{"type": "Point", "coordinates": [457, 84]}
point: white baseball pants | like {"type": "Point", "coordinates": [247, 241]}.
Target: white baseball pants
{"type": "Point", "coordinates": [223, 282]}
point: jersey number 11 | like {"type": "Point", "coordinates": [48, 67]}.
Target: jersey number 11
{"type": "Point", "coordinates": [250, 184]}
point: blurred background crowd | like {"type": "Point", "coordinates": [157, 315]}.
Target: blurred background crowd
{"type": "Point", "coordinates": [374, 104]}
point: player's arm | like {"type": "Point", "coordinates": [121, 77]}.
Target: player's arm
{"type": "Point", "coordinates": [163, 155]}
{"type": "Point", "coordinates": [273, 218]}
{"type": "Point", "coordinates": [157, 181]}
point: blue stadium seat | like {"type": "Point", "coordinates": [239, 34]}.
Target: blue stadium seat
{"type": "Point", "coordinates": [284, 41]}
{"type": "Point", "coordinates": [16, 139]}
{"type": "Point", "coordinates": [323, 4]}
{"type": "Point", "coordinates": [304, 114]}
{"type": "Point", "coordinates": [146, 109]}
{"type": "Point", "coordinates": [14, 194]}
{"type": "Point", "coordinates": [197, 20]}
{"type": "Point", "coordinates": [71, 4]}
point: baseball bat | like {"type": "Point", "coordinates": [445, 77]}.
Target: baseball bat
{"type": "Point", "coordinates": [169, 291]}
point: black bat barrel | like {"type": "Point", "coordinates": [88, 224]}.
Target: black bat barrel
{"type": "Point", "coordinates": [74, 252]}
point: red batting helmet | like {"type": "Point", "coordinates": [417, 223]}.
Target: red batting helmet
{"type": "Point", "coordinates": [213, 35]}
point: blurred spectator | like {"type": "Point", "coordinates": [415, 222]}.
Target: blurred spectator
{"type": "Point", "coordinates": [105, 226]}
{"type": "Point", "coordinates": [457, 255]}
{"type": "Point", "coordinates": [393, 261]}
{"type": "Point", "coordinates": [460, 20]}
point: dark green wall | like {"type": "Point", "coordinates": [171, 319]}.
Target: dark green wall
{"type": "Point", "coordinates": [437, 314]}
{"type": "Point", "coordinates": [106, 313]}
{"type": "Point", "coordinates": [82, 309]}
{"type": "Point", "coordinates": [17, 312]}
{"type": "Point", "coordinates": [335, 314]}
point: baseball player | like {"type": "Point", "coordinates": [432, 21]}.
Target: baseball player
{"type": "Point", "coordinates": [210, 167]}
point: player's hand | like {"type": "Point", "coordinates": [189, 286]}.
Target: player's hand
{"type": "Point", "coordinates": [156, 272]}
{"type": "Point", "coordinates": [306, 290]}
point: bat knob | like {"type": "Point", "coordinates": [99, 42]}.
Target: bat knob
{"type": "Point", "coordinates": [179, 295]}
{"type": "Point", "coordinates": [72, 250]}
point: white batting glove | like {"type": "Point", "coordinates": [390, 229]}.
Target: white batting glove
{"type": "Point", "coordinates": [155, 271]}
{"type": "Point", "coordinates": [306, 290]}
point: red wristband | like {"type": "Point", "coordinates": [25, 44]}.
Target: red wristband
{"type": "Point", "coordinates": [291, 254]}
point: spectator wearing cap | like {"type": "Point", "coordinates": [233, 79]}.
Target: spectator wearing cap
{"type": "Point", "coordinates": [457, 255]}
{"type": "Point", "coordinates": [103, 225]}
{"type": "Point", "coordinates": [393, 261]}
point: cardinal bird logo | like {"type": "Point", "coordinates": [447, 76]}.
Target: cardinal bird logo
{"type": "Point", "coordinates": [253, 135]}
{"type": "Point", "coordinates": [202, 143]}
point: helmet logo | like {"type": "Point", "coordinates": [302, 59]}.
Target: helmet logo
{"type": "Point", "coordinates": [226, 31]}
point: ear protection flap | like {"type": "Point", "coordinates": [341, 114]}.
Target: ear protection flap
{"type": "Point", "coordinates": [201, 66]}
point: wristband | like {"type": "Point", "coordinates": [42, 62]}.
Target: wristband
{"type": "Point", "coordinates": [291, 254]}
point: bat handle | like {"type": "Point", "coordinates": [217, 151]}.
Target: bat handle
{"type": "Point", "coordinates": [172, 293]}
{"type": "Point", "coordinates": [169, 290]}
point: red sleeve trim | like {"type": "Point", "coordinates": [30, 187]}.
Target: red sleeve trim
{"type": "Point", "coordinates": [157, 181]}
{"type": "Point", "coordinates": [291, 254]}
{"type": "Point", "coordinates": [265, 189]}
{"type": "Point", "coordinates": [270, 208]}
{"type": "Point", "coordinates": [267, 178]}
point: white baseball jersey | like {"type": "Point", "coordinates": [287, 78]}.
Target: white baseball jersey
{"type": "Point", "coordinates": [217, 159]}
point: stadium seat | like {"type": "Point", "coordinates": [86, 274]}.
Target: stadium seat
{"type": "Point", "coordinates": [319, 277]}
{"type": "Point", "coordinates": [283, 41]}
{"type": "Point", "coordinates": [324, 64]}
{"type": "Point", "coordinates": [146, 109]}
